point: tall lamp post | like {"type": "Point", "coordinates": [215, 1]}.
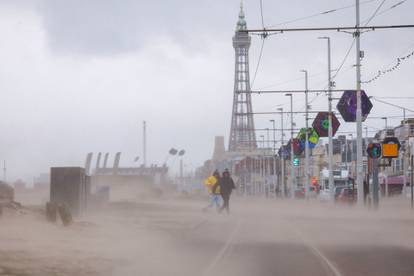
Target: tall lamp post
{"type": "Point", "coordinates": [359, 176]}
{"type": "Point", "coordinates": [292, 174]}
{"type": "Point", "coordinates": [330, 131]}
{"type": "Point", "coordinates": [274, 156]}
{"type": "Point", "coordinates": [262, 167]}
{"type": "Point", "coordinates": [306, 136]}
{"type": "Point", "coordinates": [282, 160]}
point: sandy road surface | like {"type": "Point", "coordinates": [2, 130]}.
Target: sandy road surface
{"type": "Point", "coordinates": [172, 237]}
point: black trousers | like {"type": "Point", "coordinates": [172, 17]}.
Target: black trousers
{"type": "Point", "coordinates": [226, 200]}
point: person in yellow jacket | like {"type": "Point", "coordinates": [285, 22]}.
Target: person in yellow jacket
{"type": "Point", "coordinates": [213, 190]}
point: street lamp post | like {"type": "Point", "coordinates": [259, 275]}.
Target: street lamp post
{"type": "Point", "coordinates": [274, 156]}
{"type": "Point", "coordinates": [266, 164]}
{"type": "Point", "coordinates": [330, 131]}
{"type": "Point", "coordinates": [282, 160]}
{"type": "Point", "coordinates": [268, 137]}
{"type": "Point", "coordinates": [292, 174]}
{"type": "Point", "coordinates": [385, 170]}
{"type": "Point", "coordinates": [306, 135]}
{"type": "Point", "coordinates": [359, 176]}
{"type": "Point", "coordinates": [262, 167]}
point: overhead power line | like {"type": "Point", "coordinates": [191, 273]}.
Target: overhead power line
{"type": "Point", "coordinates": [395, 105]}
{"type": "Point", "coordinates": [263, 36]}
{"type": "Point", "coordinates": [375, 12]}
{"type": "Point", "coordinates": [325, 12]}
{"type": "Point", "coordinates": [258, 62]}
{"type": "Point", "coordinates": [388, 9]}
{"type": "Point", "coordinates": [399, 98]}
{"type": "Point", "coordinates": [338, 29]}
{"type": "Point", "coordinates": [344, 59]}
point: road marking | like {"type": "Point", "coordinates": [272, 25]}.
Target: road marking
{"type": "Point", "coordinates": [315, 250]}
{"type": "Point", "coordinates": [222, 251]}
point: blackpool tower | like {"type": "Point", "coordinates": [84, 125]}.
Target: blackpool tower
{"type": "Point", "coordinates": [242, 134]}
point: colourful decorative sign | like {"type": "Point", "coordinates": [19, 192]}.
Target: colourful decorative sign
{"type": "Point", "coordinates": [321, 124]}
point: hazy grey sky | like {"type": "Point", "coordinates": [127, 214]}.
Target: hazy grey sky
{"type": "Point", "coordinates": [80, 76]}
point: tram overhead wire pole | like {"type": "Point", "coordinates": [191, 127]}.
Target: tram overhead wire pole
{"type": "Point", "coordinates": [282, 159]}
{"type": "Point", "coordinates": [359, 175]}
{"type": "Point", "coordinates": [292, 173]}
{"type": "Point", "coordinates": [274, 156]}
{"type": "Point", "coordinates": [306, 136]}
{"type": "Point", "coordinates": [330, 130]}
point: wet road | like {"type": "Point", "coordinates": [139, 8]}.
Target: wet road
{"type": "Point", "coordinates": [176, 238]}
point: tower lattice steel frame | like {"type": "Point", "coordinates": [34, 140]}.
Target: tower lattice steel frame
{"type": "Point", "coordinates": [242, 134]}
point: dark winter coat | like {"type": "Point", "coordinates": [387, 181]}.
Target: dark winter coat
{"type": "Point", "coordinates": [226, 185]}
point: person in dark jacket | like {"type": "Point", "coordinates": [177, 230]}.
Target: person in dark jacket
{"type": "Point", "coordinates": [226, 184]}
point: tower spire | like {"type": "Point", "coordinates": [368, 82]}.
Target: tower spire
{"type": "Point", "coordinates": [241, 23]}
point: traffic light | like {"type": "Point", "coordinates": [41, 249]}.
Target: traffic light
{"type": "Point", "coordinates": [296, 161]}
{"type": "Point", "coordinates": [374, 150]}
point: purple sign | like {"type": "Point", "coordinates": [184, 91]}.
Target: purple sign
{"type": "Point", "coordinates": [348, 103]}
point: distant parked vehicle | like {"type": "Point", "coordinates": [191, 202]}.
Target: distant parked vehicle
{"type": "Point", "coordinates": [347, 195]}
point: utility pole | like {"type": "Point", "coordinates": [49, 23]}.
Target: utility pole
{"type": "Point", "coordinates": [144, 142]}
{"type": "Point", "coordinates": [262, 166]}
{"type": "Point", "coordinates": [267, 175]}
{"type": "Point", "coordinates": [330, 131]}
{"type": "Point", "coordinates": [359, 176]}
{"type": "Point", "coordinates": [282, 160]}
{"type": "Point", "coordinates": [306, 135]}
{"type": "Point", "coordinates": [274, 157]}
{"type": "Point", "coordinates": [292, 173]}
{"type": "Point", "coordinates": [4, 171]}
{"type": "Point", "coordinates": [375, 188]}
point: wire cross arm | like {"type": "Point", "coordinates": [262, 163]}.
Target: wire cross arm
{"type": "Point", "coordinates": [295, 91]}
{"type": "Point", "coordinates": [338, 29]}
{"type": "Point", "coordinates": [275, 112]}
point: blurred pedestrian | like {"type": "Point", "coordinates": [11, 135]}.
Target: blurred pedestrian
{"type": "Point", "coordinates": [214, 192]}
{"type": "Point", "coordinates": [226, 185]}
